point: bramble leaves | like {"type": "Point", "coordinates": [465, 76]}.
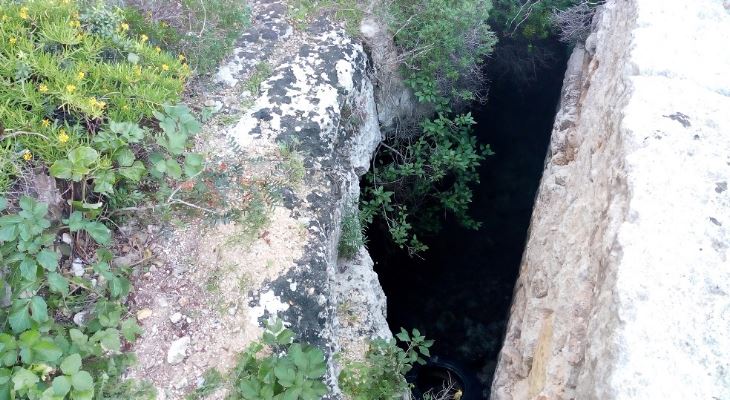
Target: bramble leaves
{"type": "Point", "coordinates": [381, 376]}
{"type": "Point", "coordinates": [424, 177]}
{"type": "Point", "coordinates": [98, 231]}
{"type": "Point", "coordinates": [78, 164]}
{"type": "Point", "coordinates": [294, 374]}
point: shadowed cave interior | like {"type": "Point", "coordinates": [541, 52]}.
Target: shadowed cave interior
{"type": "Point", "coordinates": [460, 292]}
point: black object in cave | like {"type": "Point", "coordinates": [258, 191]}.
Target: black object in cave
{"type": "Point", "coordinates": [460, 293]}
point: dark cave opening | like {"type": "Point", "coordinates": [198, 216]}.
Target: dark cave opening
{"type": "Point", "coordinates": [460, 292]}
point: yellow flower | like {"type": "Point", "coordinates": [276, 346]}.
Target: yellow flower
{"type": "Point", "coordinates": [124, 26]}
{"type": "Point", "coordinates": [66, 1]}
{"type": "Point", "coordinates": [97, 103]}
{"type": "Point", "coordinates": [144, 38]}
{"type": "Point", "coordinates": [158, 49]}
{"type": "Point", "coordinates": [13, 40]}
{"type": "Point", "coordinates": [42, 88]}
{"type": "Point", "coordinates": [62, 136]}
{"type": "Point", "coordinates": [27, 155]}
{"type": "Point", "coordinates": [70, 88]}
{"type": "Point", "coordinates": [165, 67]}
{"type": "Point", "coordinates": [74, 24]}
{"type": "Point", "coordinates": [181, 57]}
{"type": "Point", "coordinates": [81, 75]}
{"type": "Point", "coordinates": [5, 18]}
{"type": "Point", "coordinates": [46, 123]}
{"type": "Point", "coordinates": [125, 107]}
{"type": "Point", "coordinates": [24, 13]}
{"type": "Point", "coordinates": [137, 70]}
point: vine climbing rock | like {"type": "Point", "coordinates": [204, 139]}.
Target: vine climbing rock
{"type": "Point", "coordinates": [624, 287]}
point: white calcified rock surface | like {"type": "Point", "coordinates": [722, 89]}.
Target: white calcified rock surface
{"type": "Point", "coordinates": [624, 288]}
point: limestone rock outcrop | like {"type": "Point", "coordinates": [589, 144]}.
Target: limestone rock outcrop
{"type": "Point", "coordinates": [624, 287]}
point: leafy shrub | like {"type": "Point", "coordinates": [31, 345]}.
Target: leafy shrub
{"type": "Point", "coordinates": [574, 23]}
{"type": "Point", "coordinates": [64, 76]}
{"type": "Point", "coordinates": [352, 237]}
{"type": "Point", "coordinates": [203, 31]}
{"type": "Point", "coordinates": [347, 11]}
{"type": "Point", "coordinates": [381, 376]}
{"type": "Point", "coordinates": [415, 179]}
{"type": "Point", "coordinates": [42, 355]}
{"type": "Point", "coordinates": [291, 371]}
{"type": "Point", "coordinates": [444, 43]}
{"type": "Point", "coordinates": [530, 19]}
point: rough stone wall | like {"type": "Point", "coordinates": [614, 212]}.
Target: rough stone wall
{"type": "Point", "coordinates": [323, 100]}
{"type": "Point", "coordinates": [624, 287]}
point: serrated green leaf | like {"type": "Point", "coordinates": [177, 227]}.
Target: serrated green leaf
{"type": "Point", "coordinates": [8, 350]}
{"type": "Point", "coordinates": [22, 378]}
{"type": "Point", "coordinates": [110, 340]}
{"type": "Point", "coordinates": [28, 268]}
{"type": "Point", "coordinates": [130, 329]}
{"type": "Point", "coordinates": [57, 283]}
{"type": "Point", "coordinates": [8, 233]}
{"type": "Point", "coordinates": [124, 157]}
{"type": "Point", "coordinates": [46, 350]}
{"type": "Point", "coordinates": [71, 364]}
{"type": "Point", "coordinates": [38, 309]}
{"type": "Point", "coordinates": [104, 181]}
{"type": "Point", "coordinates": [193, 164]}
{"type": "Point", "coordinates": [135, 172]}
{"type": "Point", "coordinates": [173, 168]}
{"type": "Point", "coordinates": [83, 156]}
{"type": "Point", "coordinates": [82, 381]}
{"type": "Point", "coordinates": [77, 337]}
{"type": "Point", "coordinates": [62, 169]}
{"type": "Point", "coordinates": [285, 373]}
{"type": "Point", "coordinates": [61, 385]}
{"type": "Point", "coordinates": [48, 259]}
{"type": "Point", "coordinates": [98, 231]}
{"type": "Point", "coordinates": [75, 221]}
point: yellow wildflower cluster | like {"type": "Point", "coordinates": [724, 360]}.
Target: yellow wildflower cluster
{"type": "Point", "coordinates": [27, 155]}
{"type": "Point", "coordinates": [124, 27]}
{"type": "Point", "coordinates": [74, 24]}
{"type": "Point", "coordinates": [46, 123]}
{"type": "Point", "coordinates": [23, 13]}
{"type": "Point", "coordinates": [70, 88]}
{"type": "Point", "coordinates": [97, 104]}
{"type": "Point", "coordinates": [43, 88]}
{"type": "Point", "coordinates": [143, 38]}
{"type": "Point", "coordinates": [62, 136]}
{"type": "Point", "coordinates": [13, 40]}
{"type": "Point", "coordinates": [165, 67]}
{"type": "Point", "coordinates": [80, 76]}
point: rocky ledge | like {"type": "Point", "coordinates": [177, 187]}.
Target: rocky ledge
{"type": "Point", "coordinates": [624, 288]}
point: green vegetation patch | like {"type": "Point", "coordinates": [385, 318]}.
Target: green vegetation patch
{"type": "Point", "coordinates": [65, 72]}
{"type": "Point", "coordinates": [204, 32]}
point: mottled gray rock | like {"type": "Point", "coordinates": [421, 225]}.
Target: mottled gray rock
{"type": "Point", "coordinates": [322, 99]}
{"type": "Point", "coordinates": [178, 350]}
{"type": "Point", "coordinates": [624, 288]}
